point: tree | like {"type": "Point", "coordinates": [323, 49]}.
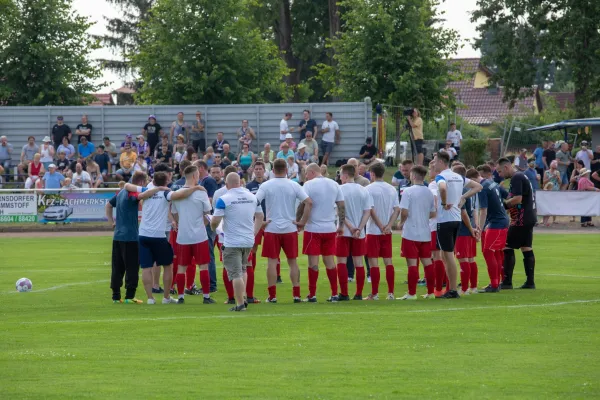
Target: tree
{"type": "Point", "coordinates": [391, 51]}
{"type": "Point", "coordinates": [202, 51]}
{"type": "Point", "coordinates": [521, 39]}
{"type": "Point", "coordinates": [44, 50]}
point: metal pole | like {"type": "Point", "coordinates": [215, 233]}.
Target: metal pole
{"type": "Point", "coordinates": [503, 136]}
{"type": "Point", "coordinates": [509, 135]}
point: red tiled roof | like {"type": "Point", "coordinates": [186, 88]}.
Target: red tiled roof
{"type": "Point", "coordinates": [563, 99]}
{"type": "Point", "coordinates": [102, 99]}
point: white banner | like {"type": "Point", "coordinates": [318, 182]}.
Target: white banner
{"type": "Point", "coordinates": [568, 203]}
{"type": "Point", "coordinates": [18, 207]}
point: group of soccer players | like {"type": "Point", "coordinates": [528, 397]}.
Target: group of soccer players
{"type": "Point", "coordinates": [440, 223]}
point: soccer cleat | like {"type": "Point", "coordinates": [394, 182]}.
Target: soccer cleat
{"type": "Point", "coordinates": [180, 300]}
{"type": "Point", "coordinates": [118, 301]}
{"type": "Point", "coordinates": [408, 297]}
{"type": "Point", "coordinates": [372, 297]}
{"type": "Point", "coordinates": [489, 289]}
{"type": "Point", "coordinates": [133, 301]}
{"type": "Point", "coordinates": [238, 308]}
{"type": "Point", "coordinates": [271, 300]}
{"type": "Point", "coordinates": [333, 299]}
{"type": "Point", "coordinates": [429, 296]}
{"type": "Point", "coordinates": [357, 297]}
{"type": "Point", "coordinates": [159, 290]}
{"type": "Point", "coordinates": [528, 286]}
{"type": "Point", "coordinates": [151, 301]}
{"type": "Point", "coordinates": [368, 279]}
{"type": "Point", "coordinates": [208, 300]}
{"type": "Point", "coordinates": [464, 292]}
{"type": "Point", "coordinates": [506, 286]}
{"type": "Point", "coordinates": [279, 279]}
{"type": "Point", "coordinates": [422, 282]}
{"type": "Point", "coordinates": [309, 299]}
{"type": "Point", "coordinates": [252, 300]}
{"type": "Point", "coordinates": [230, 301]}
{"type": "Point", "coordinates": [343, 297]}
{"type": "Point", "coordinates": [169, 300]}
{"type": "Point", "coordinates": [350, 280]}
{"type": "Point", "coordinates": [390, 296]}
{"type": "Point", "coordinates": [193, 292]}
{"type": "Point", "coordinates": [473, 290]}
{"type": "Point", "coordinates": [451, 294]}
{"type": "Point", "coordinates": [173, 291]}
{"type": "Point", "coordinates": [297, 300]}
{"type": "Point", "coordinates": [214, 290]}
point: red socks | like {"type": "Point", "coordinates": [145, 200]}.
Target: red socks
{"type": "Point", "coordinates": [313, 277]}
{"type": "Point", "coordinates": [430, 278]}
{"type": "Point", "coordinates": [375, 277]}
{"type": "Point", "coordinates": [413, 279]}
{"type": "Point", "coordinates": [342, 273]}
{"type": "Point", "coordinates": [190, 274]}
{"type": "Point", "coordinates": [180, 278]}
{"type": "Point", "coordinates": [465, 275]}
{"type": "Point", "coordinates": [360, 280]}
{"type": "Point", "coordinates": [272, 292]}
{"type": "Point", "coordinates": [296, 291]}
{"type": "Point", "coordinates": [390, 276]}
{"type": "Point", "coordinates": [473, 277]}
{"type": "Point", "coordinates": [228, 284]}
{"type": "Point", "coordinates": [492, 267]}
{"type": "Point", "coordinates": [440, 273]}
{"type": "Point", "coordinates": [249, 282]}
{"type": "Point", "coordinates": [332, 275]}
{"type": "Point", "coordinates": [205, 281]}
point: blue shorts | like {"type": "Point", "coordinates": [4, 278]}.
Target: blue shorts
{"type": "Point", "coordinates": [326, 147]}
{"type": "Point", "coordinates": [564, 178]}
{"type": "Point", "coordinates": [155, 250]}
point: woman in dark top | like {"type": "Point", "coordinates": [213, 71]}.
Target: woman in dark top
{"type": "Point", "coordinates": [152, 131]}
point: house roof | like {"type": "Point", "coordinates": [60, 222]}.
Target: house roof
{"type": "Point", "coordinates": [102, 99]}
{"type": "Point", "coordinates": [125, 90]}
{"type": "Point", "coordinates": [563, 99]}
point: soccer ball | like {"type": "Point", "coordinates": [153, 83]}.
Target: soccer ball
{"type": "Point", "coordinates": [24, 285]}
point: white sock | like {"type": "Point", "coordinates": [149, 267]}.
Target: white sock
{"type": "Point", "coordinates": [206, 296]}
{"type": "Point", "coordinates": [181, 296]}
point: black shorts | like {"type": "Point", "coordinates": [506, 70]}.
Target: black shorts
{"type": "Point", "coordinates": [155, 250]}
{"type": "Point", "coordinates": [125, 255]}
{"type": "Point", "coordinates": [519, 236]}
{"type": "Point", "coordinates": [419, 146]}
{"type": "Point", "coordinates": [199, 145]}
{"type": "Point", "coordinates": [447, 232]}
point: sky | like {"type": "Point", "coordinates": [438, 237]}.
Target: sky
{"type": "Point", "coordinates": [457, 15]}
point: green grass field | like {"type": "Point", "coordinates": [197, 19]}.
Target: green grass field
{"type": "Point", "coordinates": [67, 340]}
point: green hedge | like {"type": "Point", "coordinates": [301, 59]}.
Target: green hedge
{"type": "Point", "coordinates": [473, 151]}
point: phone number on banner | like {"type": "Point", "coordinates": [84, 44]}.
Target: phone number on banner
{"type": "Point", "coordinates": [18, 218]}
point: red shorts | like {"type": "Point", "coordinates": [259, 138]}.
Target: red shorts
{"type": "Point", "coordinates": [174, 245]}
{"type": "Point", "coordinates": [197, 252]}
{"type": "Point", "coordinates": [495, 239]}
{"type": "Point", "coordinates": [318, 244]}
{"type": "Point", "coordinates": [434, 241]}
{"type": "Point", "coordinates": [414, 250]}
{"type": "Point", "coordinates": [258, 237]}
{"type": "Point", "coordinates": [466, 247]}
{"type": "Point", "coordinates": [343, 244]}
{"type": "Point", "coordinates": [379, 246]}
{"type": "Point", "coordinates": [274, 242]}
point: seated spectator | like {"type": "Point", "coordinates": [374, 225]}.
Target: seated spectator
{"type": "Point", "coordinates": [302, 157]}
{"type": "Point", "coordinates": [209, 157]}
{"type": "Point", "coordinates": [532, 175]}
{"type": "Point", "coordinates": [85, 148]}
{"type": "Point", "coordinates": [312, 147]}
{"type": "Point", "coordinates": [141, 165]}
{"type": "Point", "coordinates": [67, 148]}
{"type": "Point", "coordinates": [143, 147]}
{"type": "Point", "coordinates": [362, 171]}
{"type": "Point", "coordinates": [95, 173]}
{"type": "Point", "coordinates": [361, 180]}
{"type": "Point", "coordinates": [81, 178]}
{"type": "Point", "coordinates": [27, 154]}
{"type": "Point", "coordinates": [62, 164]}
{"type": "Point", "coordinates": [595, 166]}
{"type": "Point", "coordinates": [217, 145]}
{"type": "Point", "coordinates": [111, 150]}
{"type": "Point", "coordinates": [398, 176]}
{"type": "Point", "coordinates": [585, 184]}
{"type": "Point", "coordinates": [368, 152]}
{"type": "Point", "coordinates": [268, 155]}
{"type": "Point", "coordinates": [152, 131]}
{"type": "Point", "coordinates": [164, 151]}
{"type": "Point", "coordinates": [6, 150]}
{"type": "Point", "coordinates": [227, 156]}
{"type": "Point", "coordinates": [450, 150]}
{"type": "Point", "coordinates": [573, 182]}
{"type": "Point", "coordinates": [246, 158]}
{"type": "Point", "coordinates": [180, 149]}
{"type": "Point", "coordinates": [46, 152]}
{"type": "Point", "coordinates": [521, 161]}
{"type": "Point", "coordinates": [128, 141]}
{"type": "Point", "coordinates": [68, 184]}
{"type": "Point", "coordinates": [285, 151]}
{"type": "Point", "coordinates": [585, 154]}
{"type": "Point", "coordinates": [219, 161]}
{"type": "Point", "coordinates": [190, 154]}
{"type": "Point", "coordinates": [292, 169]}
{"type": "Point", "coordinates": [289, 139]}
{"type": "Point", "coordinates": [127, 161]}
{"type": "Point", "coordinates": [35, 171]}
{"type": "Point", "coordinates": [1, 176]}
{"type": "Point", "coordinates": [246, 134]}
{"type": "Point", "coordinates": [103, 161]}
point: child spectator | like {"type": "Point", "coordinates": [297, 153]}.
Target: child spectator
{"type": "Point", "coordinates": [68, 184]}
{"type": "Point", "coordinates": [292, 169]}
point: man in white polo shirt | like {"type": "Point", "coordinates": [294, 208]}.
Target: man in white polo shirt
{"type": "Point", "coordinates": [242, 218]}
{"type": "Point", "coordinates": [280, 195]}
{"type": "Point", "coordinates": [321, 229]}
{"type": "Point", "coordinates": [284, 128]}
{"type": "Point", "coordinates": [450, 201]}
{"type": "Point", "coordinates": [331, 132]}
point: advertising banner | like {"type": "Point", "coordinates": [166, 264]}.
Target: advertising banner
{"type": "Point", "coordinates": [67, 207]}
{"type": "Point", "coordinates": [16, 208]}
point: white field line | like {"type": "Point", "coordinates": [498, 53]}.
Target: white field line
{"type": "Point", "coordinates": [61, 286]}
{"type": "Point", "coordinates": [277, 315]}
{"type": "Point", "coordinates": [571, 276]}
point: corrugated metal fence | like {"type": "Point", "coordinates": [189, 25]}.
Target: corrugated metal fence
{"type": "Point", "coordinates": [354, 119]}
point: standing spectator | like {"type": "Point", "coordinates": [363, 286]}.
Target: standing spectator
{"type": "Point", "coordinates": [143, 147]}
{"type": "Point", "coordinates": [331, 132]}
{"type": "Point", "coordinates": [111, 150]}
{"type": "Point", "coordinates": [307, 124]}
{"type": "Point", "coordinates": [198, 135]}
{"type": "Point", "coordinates": [538, 153]}
{"type": "Point", "coordinates": [84, 129]}
{"type": "Point", "coordinates": [27, 155]}
{"type": "Point", "coordinates": [416, 124]}
{"type": "Point", "coordinates": [81, 178]}
{"type": "Point", "coordinates": [180, 149]}
{"type": "Point", "coordinates": [46, 152]}
{"type": "Point", "coordinates": [563, 157]}
{"type": "Point", "coordinates": [284, 128]}
{"type": "Point", "coordinates": [128, 142]}
{"type": "Point", "coordinates": [52, 179]}
{"type": "Point", "coordinates": [127, 162]}
{"type": "Point", "coordinates": [362, 171]}
{"type": "Point", "coordinates": [368, 152]}
{"type": "Point", "coordinates": [67, 148]}
{"type": "Point", "coordinates": [218, 144]}
{"type": "Point", "coordinates": [595, 166]}
{"type": "Point", "coordinates": [532, 175]}
{"type": "Point", "coordinates": [290, 141]}
{"type": "Point", "coordinates": [95, 174]}
{"type": "Point", "coordinates": [164, 151]}
{"type": "Point", "coordinates": [521, 161]}
{"type": "Point", "coordinates": [59, 131]}
{"type": "Point", "coordinates": [179, 127]}
{"type": "Point", "coordinates": [552, 182]}
{"type": "Point", "coordinates": [219, 161]}
{"type": "Point", "coordinates": [585, 154]}
{"type": "Point", "coordinates": [398, 176]}
{"type": "Point", "coordinates": [35, 171]}
{"type": "Point", "coordinates": [585, 184]}
{"type": "Point", "coordinates": [312, 147]}
{"type": "Point", "coordinates": [86, 149]}
{"type": "Point", "coordinates": [209, 157]}
{"type": "Point", "coordinates": [549, 154]}
{"type": "Point", "coordinates": [285, 151]}
{"type": "Point", "coordinates": [103, 161]}
{"type": "Point", "coordinates": [246, 158]}
{"type": "Point", "coordinates": [62, 164]}
{"type": "Point", "coordinates": [455, 136]}
{"type": "Point", "coordinates": [246, 134]}
{"type": "Point", "coordinates": [227, 157]}
{"type": "Point", "coordinates": [359, 179]}
{"type": "Point", "coordinates": [153, 132]}
{"type": "Point", "coordinates": [6, 150]}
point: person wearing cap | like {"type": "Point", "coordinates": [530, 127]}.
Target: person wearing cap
{"type": "Point", "coordinates": [368, 152]}
{"type": "Point", "coordinates": [152, 131]}
{"type": "Point", "coordinates": [585, 185]}
{"type": "Point", "coordinates": [103, 160]}
{"type": "Point", "coordinates": [284, 128]}
{"type": "Point", "coordinates": [84, 129]}
{"type": "Point", "coordinates": [285, 151]}
{"type": "Point", "coordinates": [52, 179]}
{"type": "Point", "coordinates": [27, 154]}
{"type": "Point", "coordinates": [129, 141]}
{"type": "Point", "coordinates": [164, 152]}
{"type": "Point", "coordinates": [521, 161]}
{"type": "Point", "coordinates": [143, 148]}
{"type": "Point", "coordinates": [585, 154]}
{"type": "Point", "coordinates": [302, 159]}
{"type": "Point", "coordinates": [86, 149]}
{"type": "Point", "coordinates": [289, 139]}
{"type": "Point", "coordinates": [198, 135]}
{"type": "Point", "coordinates": [59, 131]}
{"type": "Point", "coordinates": [312, 147]}
{"type": "Point", "coordinates": [46, 152]}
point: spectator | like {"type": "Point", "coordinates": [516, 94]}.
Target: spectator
{"type": "Point", "coordinates": [324, 171]}
{"type": "Point", "coordinates": [549, 154]}
{"type": "Point", "coordinates": [290, 141]}
{"type": "Point", "coordinates": [190, 153]}
{"type": "Point", "coordinates": [67, 148]}
{"type": "Point", "coordinates": [450, 150]}
{"type": "Point", "coordinates": [361, 180]}
{"type": "Point", "coordinates": [93, 169]}
{"type": "Point", "coordinates": [367, 152]}
{"type": "Point", "coordinates": [179, 127]}
{"type": "Point", "coordinates": [302, 157]}
{"type": "Point", "coordinates": [416, 124]}
{"type": "Point", "coordinates": [455, 136]}
{"type": "Point", "coordinates": [103, 161]}
{"type": "Point", "coordinates": [180, 148]}
{"type": "Point", "coordinates": [219, 161]}
{"type": "Point", "coordinates": [268, 156]}
{"type": "Point", "coordinates": [292, 169]}
{"type": "Point", "coordinates": [284, 128]}
{"type": "Point", "coordinates": [538, 153]}
{"type": "Point", "coordinates": [198, 135]}
{"type": "Point", "coordinates": [521, 161]}
{"type": "Point", "coordinates": [1, 176]}
{"type": "Point", "coordinates": [46, 152]}
{"type": "Point", "coordinates": [6, 150]}
{"type": "Point", "coordinates": [312, 147]}
{"type": "Point", "coordinates": [86, 149]}
{"type": "Point", "coordinates": [79, 160]}
{"type": "Point", "coordinates": [218, 144]}
{"type": "Point", "coordinates": [246, 134]}
{"type": "Point", "coordinates": [111, 150]}
{"type": "Point", "coordinates": [331, 132]}
{"type": "Point", "coordinates": [246, 158]}
{"type": "Point", "coordinates": [495, 175]}
{"type": "Point", "coordinates": [285, 151]}
{"type": "Point", "coordinates": [164, 151]}
{"type": "Point", "coordinates": [307, 124]}
{"type": "Point", "coordinates": [152, 131]}
{"type": "Point", "coordinates": [27, 155]}
{"type": "Point", "coordinates": [141, 165]}
{"type": "Point", "coordinates": [81, 178]}
{"type": "Point", "coordinates": [227, 157]}
{"type": "Point", "coordinates": [128, 141]}
{"type": "Point", "coordinates": [62, 164]}
{"type": "Point", "coordinates": [127, 162]}
{"type": "Point", "coordinates": [585, 154]}
{"type": "Point", "coordinates": [595, 166]}
{"type": "Point", "coordinates": [59, 131]}
{"type": "Point", "coordinates": [143, 147]}
{"type": "Point", "coordinates": [585, 184]}
{"type": "Point", "coordinates": [209, 157]}
{"type": "Point", "coordinates": [563, 157]}
{"type": "Point", "coordinates": [577, 166]}
{"type": "Point", "coordinates": [35, 171]}
{"type": "Point", "coordinates": [362, 171]}
{"type": "Point", "coordinates": [553, 176]}
{"type": "Point", "coordinates": [52, 179]}
{"type": "Point", "coordinates": [532, 175]}
{"type": "Point", "coordinates": [68, 184]}
{"type": "Point", "coordinates": [398, 176]}
{"type": "Point", "coordinates": [216, 174]}
{"type": "Point", "coordinates": [84, 129]}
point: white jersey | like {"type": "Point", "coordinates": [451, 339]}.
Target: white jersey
{"type": "Point", "coordinates": [220, 192]}
{"type": "Point", "coordinates": [434, 191]}
{"type": "Point", "coordinates": [330, 135]}
{"type": "Point", "coordinates": [191, 212]}
{"type": "Point", "coordinates": [385, 200]}
{"type": "Point", "coordinates": [419, 202]}
{"type": "Point", "coordinates": [455, 136]}
{"type": "Point", "coordinates": [238, 207]}
{"type": "Point", "coordinates": [155, 214]}
{"type": "Point", "coordinates": [324, 193]}
{"type": "Point", "coordinates": [454, 190]}
{"type": "Point", "coordinates": [280, 195]}
{"type": "Point", "coordinates": [356, 200]}
{"type": "Point", "coordinates": [283, 126]}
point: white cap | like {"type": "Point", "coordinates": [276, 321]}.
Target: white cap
{"type": "Point", "coordinates": [301, 146]}
{"type": "Point", "coordinates": [51, 166]}
{"type": "Point", "coordinates": [46, 139]}
{"type": "Point", "coordinates": [289, 136]}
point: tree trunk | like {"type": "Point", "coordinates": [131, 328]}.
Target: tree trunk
{"type": "Point", "coordinates": [284, 32]}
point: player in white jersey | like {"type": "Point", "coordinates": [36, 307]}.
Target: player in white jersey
{"type": "Point", "coordinates": [384, 213]}
{"type": "Point", "coordinates": [280, 195]}
{"type": "Point", "coordinates": [192, 238]}
{"type": "Point", "coordinates": [242, 218]}
{"type": "Point", "coordinates": [358, 204]}
{"type": "Point", "coordinates": [435, 284]}
{"type": "Point", "coordinates": [321, 228]}
{"type": "Point", "coordinates": [162, 167]}
{"type": "Point", "coordinates": [450, 186]}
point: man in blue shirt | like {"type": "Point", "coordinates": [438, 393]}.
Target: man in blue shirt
{"type": "Point", "coordinates": [85, 148]}
{"type": "Point", "coordinates": [532, 175]}
{"type": "Point", "coordinates": [307, 124]}
{"type": "Point", "coordinates": [538, 154]}
{"type": "Point", "coordinates": [52, 179]}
